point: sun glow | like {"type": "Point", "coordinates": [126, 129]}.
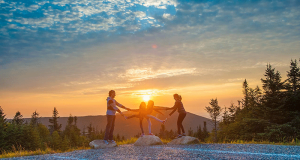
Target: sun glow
{"type": "Point", "coordinates": [146, 98]}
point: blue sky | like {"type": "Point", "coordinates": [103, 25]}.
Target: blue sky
{"type": "Point", "coordinates": [58, 51]}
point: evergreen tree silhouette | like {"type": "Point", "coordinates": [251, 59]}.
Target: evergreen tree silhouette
{"type": "Point", "coordinates": [18, 118]}
{"type": "Point", "coordinates": [54, 126]}
{"type": "Point", "coordinates": [214, 111]}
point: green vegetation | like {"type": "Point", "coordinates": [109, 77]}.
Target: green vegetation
{"type": "Point", "coordinates": [35, 138]}
{"type": "Point", "coordinates": [271, 115]}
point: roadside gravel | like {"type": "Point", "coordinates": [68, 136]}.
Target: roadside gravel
{"type": "Point", "coordinates": [199, 151]}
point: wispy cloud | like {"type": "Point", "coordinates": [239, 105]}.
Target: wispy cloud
{"type": "Point", "coordinates": [148, 73]}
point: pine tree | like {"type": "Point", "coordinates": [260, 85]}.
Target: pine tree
{"type": "Point", "coordinates": [18, 119]}
{"type": "Point", "coordinates": [54, 126]}
{"type": "Point", "coordinates": [65, 145]}
{"type": "Point", "coordinates": [214, 111]}
{"type": "Point", "coordinates": [3, 126]}
{"type": "Point", "coordinates": [273, 98]}
{"type": "Point", "coordinates": [56, 141]}
{"type": "Point", "coordinates": [75, 120]}
{"type": "Point", "coordinates": [293, 77]}
{"type": "Point", "coordinates": [245, 100]}
{"type": "Point", "coordinates": [205, 132]}
{"type": "Point", "coordinates": [34, 121]}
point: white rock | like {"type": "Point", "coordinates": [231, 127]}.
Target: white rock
{"type": "Point", "coordinates": [100, 144]}
{"type": "Point", "coordinates": [148, 140]}
{"type": "Point", "coordinates": [185, 140]}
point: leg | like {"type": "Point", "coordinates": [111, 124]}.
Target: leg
{"type": "Point", "coordinates": [108, 126]}
{"type": "Point", "coordinates": [141, 125]}
{"type": "Point", "coordinates": [111, 134]}
{"type": "Point", "coordinates": [149, 125]}
{"type": "Point", "coordinates": [179, 123]}
{"type": "Point", "coordinates": [137, 116]}
{"type": "Point", "coordinates": [150, 116]}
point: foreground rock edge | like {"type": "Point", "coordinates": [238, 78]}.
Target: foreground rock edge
{"type": "Point", "coordinates": [185, 140]}
{"type": "Point", "coordinates": [148, 140]}
{"type": "Point", "coordinates": [99, 143]}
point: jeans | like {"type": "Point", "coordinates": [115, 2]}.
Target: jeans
{"type": "Point", "coordinates": [109, 131]}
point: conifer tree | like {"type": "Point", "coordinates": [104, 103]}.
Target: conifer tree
{"type": "Point", "coordinates": [293, 77]}
{"type": "Point", "coordinates": [273, 98]}
{"type": "Point", "coordinates": [205, 132]}
{"type": "Point", "coordinates": [54, 126]}
{"type": "Point", "coordinates": [3, 126]}
{"type": "Point", "coordinates": [18, 119]}
{"type": "Point", "coordinates": [56, 141]}
{"type": "Point", "coordinates": [34, 121]}
{"type": "Point", "coordinates": [214, 111]}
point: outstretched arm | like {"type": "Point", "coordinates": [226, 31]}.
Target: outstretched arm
{"type": "Point", "coordinates": [121, 106]}
{"type": "Point", "coordinates": [158, 111]}
{"type": "Point", "coordinates": [134, 110]}
{"type": "Point", "coordinates": [174, 109]}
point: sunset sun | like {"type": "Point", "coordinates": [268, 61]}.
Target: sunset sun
{"type": "Point", "coordinates": [146, 98]}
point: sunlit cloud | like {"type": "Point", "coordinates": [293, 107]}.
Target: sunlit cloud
{"type": "Point", "coordinates": [148, 73]}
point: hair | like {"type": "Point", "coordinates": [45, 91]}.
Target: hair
{"type": "Point", "coordinates": [111, 92]}
{"type": "Point", "coordinates": [150, 104]}
{"type": "Point", "coordinates": [143, 105]}
{"type": "Point", "coordinates": [177, 96]}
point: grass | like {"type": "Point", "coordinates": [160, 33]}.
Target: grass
{"type": "Point", "coordinates": [127, 141]}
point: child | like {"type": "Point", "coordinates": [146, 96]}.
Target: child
{"type": "Point", "coordinates": [145, 113]}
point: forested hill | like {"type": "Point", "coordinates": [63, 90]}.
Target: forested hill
{"type": "Point", "coordinates": [130, 128]}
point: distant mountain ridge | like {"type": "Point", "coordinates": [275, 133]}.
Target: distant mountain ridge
{"type": "Point", "coordinates": [130, 128]}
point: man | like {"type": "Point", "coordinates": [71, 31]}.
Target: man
{"type": "Point", "coordinates": [111, 116]}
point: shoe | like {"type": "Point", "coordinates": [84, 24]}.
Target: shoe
{"type": "Point", "coordinates": [164, 121]}
{"type": "Point", "coordinates": [106, 142]}
{"type": "Point", "coordinates": [151, 134]}
{"type": "Point", "coordinates": [142, 134]}
{"type": "Point", "coordinates": [183, 134]}
{"type": "Point", "coordinates": [179, 136]}
{"type": "Point", "coordinates": [112, 141]}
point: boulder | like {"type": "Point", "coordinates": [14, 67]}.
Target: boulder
{"type": "Point", "coordinates": [148, 140]}
{"type": "Point", "coordinates": [185, 140]}
{"type": "Point", "coordinates": [100, 144]}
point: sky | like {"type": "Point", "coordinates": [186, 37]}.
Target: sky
{"type": "Point", "coordinates": [68, 54]}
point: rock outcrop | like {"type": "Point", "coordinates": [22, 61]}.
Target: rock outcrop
{"type": "Point", "coordinates": [100, 144]}
{"type": "Point", "coordinates": [185, 140]}
{"type": "Point", "coordinates": [148, 140]}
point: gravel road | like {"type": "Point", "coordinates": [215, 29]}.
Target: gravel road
{"type": "Point", "coordinates": [198, 151]}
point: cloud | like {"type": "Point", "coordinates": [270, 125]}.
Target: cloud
{"type": "Point", "coordinates": [147, 73]}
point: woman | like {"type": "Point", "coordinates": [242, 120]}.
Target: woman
{"type": "Point", "coordinates": [146, 113]}
{"type": "Point", "coordinates": [182, 113]}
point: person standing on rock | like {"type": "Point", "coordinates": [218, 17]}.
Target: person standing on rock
{"type": "Point", "coordinates": [182, 113]}
{"type": "Point", "coordinates": [111, 116]}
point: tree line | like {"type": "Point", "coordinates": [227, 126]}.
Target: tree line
{"type": "Point", "coordinates": [19, 134]}
{"type": "Point", "coordinates": [268, 114]}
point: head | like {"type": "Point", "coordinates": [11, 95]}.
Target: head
{"type": "Point", "coordinates": [150, 104]}
{"type": "Point", "coordinates": [112, 93]}
{"type": "Point", "coordinates": [143, 106]}
{"type": "Point", "coordinates": [177, 97]}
